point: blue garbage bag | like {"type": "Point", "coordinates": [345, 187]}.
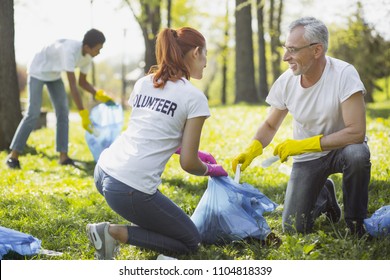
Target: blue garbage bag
{"type": "Point", "coordinates": [22, 243]}
{"type": "Point", "coordinates": [229, 211]}
{"type": "Point", "coordinates": [107, 121]}
{"type": "Point", "coordinates": [379, 223]}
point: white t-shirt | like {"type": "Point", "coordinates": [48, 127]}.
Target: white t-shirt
{"type": "Point", "coordinates": [317, 109]}
{"type": "Point", "coordinates": [62, 55]}
{"type": "Point", "coordinates": [139, 155]}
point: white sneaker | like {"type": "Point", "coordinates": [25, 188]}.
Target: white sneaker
{"type": "Point", "coordinates": [163, 257]}
{"type": "Point", "coordinates": [106, 246]}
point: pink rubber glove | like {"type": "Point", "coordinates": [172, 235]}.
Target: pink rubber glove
{"type": "Point", "coordinates": [215, 170]}
{"type": "Point", "coordinates": [203, 156]}
{"type": "Point", "coordinates": [206, 157]}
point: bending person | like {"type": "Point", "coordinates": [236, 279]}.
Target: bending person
{"type": "Point", "coordinates": [45, 69]}
{"type": "Point", "coordinates": [167, 116]}
{"type": "Point", "coordinates": [325, 97]}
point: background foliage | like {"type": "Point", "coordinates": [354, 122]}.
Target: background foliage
{"type": "Point", "coordinates": [54, 203]}
{"type": "Point", "coordinates": [356, 42]}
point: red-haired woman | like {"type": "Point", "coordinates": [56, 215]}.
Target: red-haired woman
{"type": "Point", "coordinates": [167, 116]}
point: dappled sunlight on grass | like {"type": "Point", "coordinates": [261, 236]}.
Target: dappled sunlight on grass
{"type": "Point", "coordinates": [54, 203]}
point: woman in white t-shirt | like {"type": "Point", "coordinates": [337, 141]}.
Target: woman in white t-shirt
{"type": "Point", "coordinates": [167, 116]}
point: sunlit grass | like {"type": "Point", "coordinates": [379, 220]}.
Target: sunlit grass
{"type": "Point", "coordinates": [54, 203]}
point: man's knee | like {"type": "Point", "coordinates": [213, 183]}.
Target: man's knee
{"type": "Point", "coordinates": [357, 155]}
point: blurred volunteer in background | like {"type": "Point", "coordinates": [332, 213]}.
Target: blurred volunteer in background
{"type": "Point", "coordinates": [325, 96]}
{"type": "Point", "coordinates": [45, 69]}
{"type": "Point", "coordinates": [167, 117]}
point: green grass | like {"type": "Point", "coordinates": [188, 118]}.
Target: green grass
{"type": "Point", "coordinates": [54, 203]}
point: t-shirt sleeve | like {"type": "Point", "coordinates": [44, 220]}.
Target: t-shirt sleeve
{"type": "Point", "coordinates": [85, 69]}
{"type": "Point", "coordinates": [71, 57]}
{"type": "Point", "coordinates": [136, 89]}
{"type": "Point", "coordinates": [350, 83]}
{"type": "Point", "coordinates": [198, 106]}
{"type": "Point", "coordinates": [275, 96]}
{"type": "Point", "coordinates": [68, 59]}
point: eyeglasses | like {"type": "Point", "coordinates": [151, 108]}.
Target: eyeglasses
{"type": "Point", "coordinates": [294, 50]}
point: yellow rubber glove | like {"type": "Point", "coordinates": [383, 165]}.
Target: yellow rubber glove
{"type": "Point", "coordinates": [253, 150]}
{"type": "Point", "coordinates": [85, 121]}
{"type": "Point", "coordinates": [101, 96]}
{"type": "Point", "coordinates": [296, 147]}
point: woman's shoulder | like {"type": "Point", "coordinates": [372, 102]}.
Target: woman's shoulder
{"type": "Point", "coordinates": [188, 86]}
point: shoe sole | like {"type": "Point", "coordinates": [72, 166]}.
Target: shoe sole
{"type": "Point", "coordinates": [97, 243]}
{"type": "Point", "coordinates": [94, 237]}
{"type": "Point", "coordinates": [68, 162]}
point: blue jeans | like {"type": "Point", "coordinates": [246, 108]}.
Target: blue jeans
{"type": "Point", "coordinates": [306, 196]}
{"type": "Point", "coordinates": [59, 100]}
{"type": "Point", "coordinates": [159, 224]}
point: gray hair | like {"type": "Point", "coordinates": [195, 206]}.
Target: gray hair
{"type": "Point", "coordinates": [315, 30]}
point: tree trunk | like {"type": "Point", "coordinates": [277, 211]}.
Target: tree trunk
{"type": "Point", "coordinates": [225, 50]}
{"type": "Point", "coordinates": [10, 112]}
{"type": "Point", "coordinates": [274, 29]}
{"type": "Point", "coordinates": [263, 84]}
{"type": "Point", "coordinates": [244, 76]}
{"type": "Point", "coordinates": [211, 78]}
{"type": "Point", "coordinates": [169, 12]}
{"type": "Point", "coordinates": [150, 22]}
{"type": "Point", "coordinates": [150, 27]}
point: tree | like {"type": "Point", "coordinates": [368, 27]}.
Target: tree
{"type": "Point", "coordinates": [363, 48]}
{"type": "Point", "coordinates": [263, 84]}
{"type": "Point", "coordinates": [225, 51]}
{"type": "Point", "coordinates": [169, 12]}
{"type": "Point", "coordinates": [275, 19]}
{"type": "Point", "coordinates": [244, 76]}
{"type": "Point", "coordinates": [10, 112]}
{"type": "Point", "coordinates": [149, 19]}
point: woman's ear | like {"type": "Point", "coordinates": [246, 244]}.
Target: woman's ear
{"type": "Point", "coordinates": [196, 52]}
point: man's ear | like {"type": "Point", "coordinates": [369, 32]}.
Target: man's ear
{"type": "Point", "coordinates": [319, 49]}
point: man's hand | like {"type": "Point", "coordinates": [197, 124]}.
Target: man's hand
{"type": "Point", "coordinates": [253, 150]}
{"type": "Point", "coordinates": [101, 96]}
{"type": "Point", "coordinates": [85, 121]}
{"type": "Point", "coordinates": [296, 147]}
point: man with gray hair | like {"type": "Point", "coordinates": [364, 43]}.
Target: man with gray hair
{"type": "Point", "coordinates": [325, 97]}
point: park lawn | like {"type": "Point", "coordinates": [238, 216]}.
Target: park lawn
{"type": "Point", "coordinates": [54, 203]}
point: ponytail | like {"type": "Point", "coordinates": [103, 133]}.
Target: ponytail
{"type": "Point", "coordinates": [171, 47]}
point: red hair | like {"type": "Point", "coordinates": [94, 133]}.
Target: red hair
{"type": "Point", "coordinates": [171, 47]}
